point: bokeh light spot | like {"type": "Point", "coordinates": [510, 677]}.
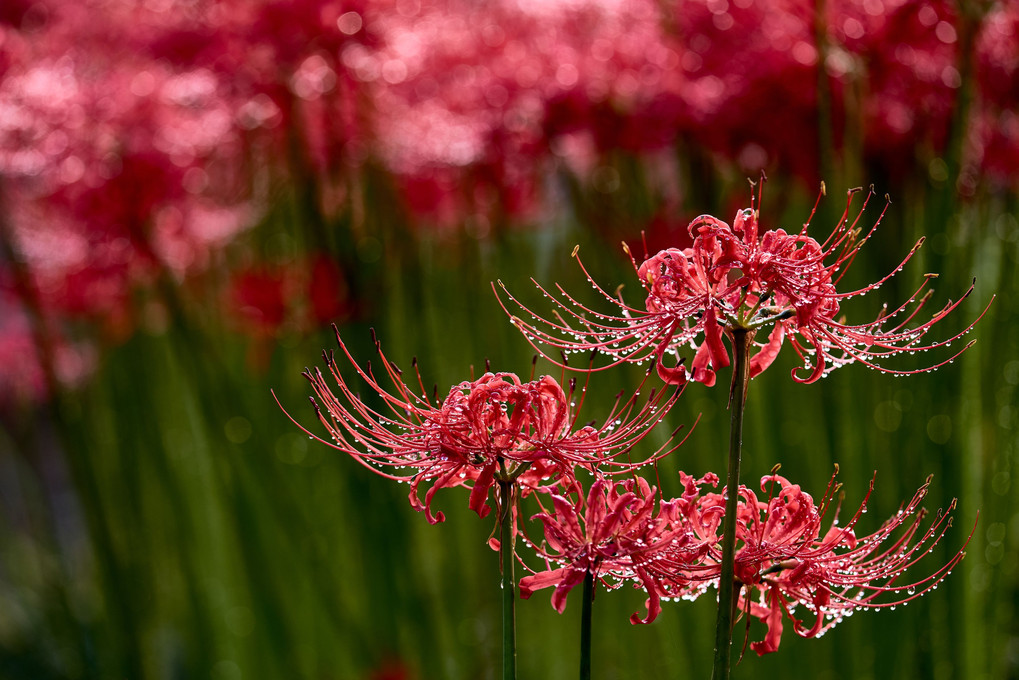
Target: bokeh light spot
{"type": "Point", "coordinates": [888, 416]}
{"type": "Point", "coordinates": [291, 448]}
{"type": "Point", "coordinates": [240, 621]}
{"type": "Point", "coordinates": [945, 32]}
{"type": "Point", "coordinates": [567, 75]}
{"type": "Point", "coordinates": [369, 249]}
{"type": "Point", "coordinates": [349, 23]}
{"type": "Point", "coordinates": [238, 429]}
{"type": "Point", "coordinates": [226, 670]}
{"type": "Point", "coordinates": [939, 429]}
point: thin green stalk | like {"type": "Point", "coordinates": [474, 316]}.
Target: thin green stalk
{"type": "Point", "coordinates": [585, 627]}
{"type": "Point", "coordinates": [741, 338]}
{"type": "Point", "coordinates": [509, 630]}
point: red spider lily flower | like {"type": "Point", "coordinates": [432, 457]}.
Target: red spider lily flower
{"type": "Point", "coordinates": [673, 570]}
{"type": "Point", "coordinates": [733, 277]}
{"type": "Point", "coordinates": [494, 428]}
{"type": "Point", "coordinates": [614, 535]}
{"type": "Point", "coordinates": [784, 555]}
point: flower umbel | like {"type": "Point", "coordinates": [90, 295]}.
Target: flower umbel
{"type": "Point", "coordinates": [784, 555]}
{"type": "Point", "coordinates": [613, 535]}
{"type": "Point", "coordinates": [734, 277]}
{"type": "Point", "coordinates": [496, 427]}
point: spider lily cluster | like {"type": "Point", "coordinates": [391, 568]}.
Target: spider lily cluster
{"type": "Point", "coordinates": [787, 559]}
{"type": "Point", "coordinates": [496, 427]}
{"type": "Point", "coordinates": [671, 549]}
{"type": "Point", "coordinates": [734, 276]}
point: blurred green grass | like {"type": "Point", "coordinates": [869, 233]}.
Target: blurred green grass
{"type": "Point", "coordinates": [168, 521]}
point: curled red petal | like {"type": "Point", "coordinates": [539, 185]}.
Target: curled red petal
{"type": "Point", "coordinates": [439, 483]}
{"type": "Point", "coordinates": [653, 602]}
{"type": "Point", "coordinates": [479, 494]}
{"type": "Point", "coordinates": [713, 340]}
{"type": "Point", "coordinates": [764, 358]}
{"type": "Point", "coordinates": [774, 621]}
{"type": "Point", "coordinates": [671, 376]}
{"type": "Point", "coordinates": [543, 579]}
{"type": "Point", "coordinates": [574, 577]}
{"type": "Point", "coordinates": [699, 366]}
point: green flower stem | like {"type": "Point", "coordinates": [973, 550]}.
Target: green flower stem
{"type": "Point", "coordinates": [509, 631]}
{"type": "Point", "coordinates": [741, 339]}
{"type": "Point", "coordinates": [585, 627]}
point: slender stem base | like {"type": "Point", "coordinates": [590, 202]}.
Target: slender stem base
{"type": "Point", "coordinates": [741, 339]}
{"type": "Point", "coordinates": [509, 630]}
{"type": "Point", "coordinates": [585, 627]}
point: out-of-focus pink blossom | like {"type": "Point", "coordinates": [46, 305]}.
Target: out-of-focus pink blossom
{"type": "Point", "coordinates": [994, 146]}
{"type": "Point", "coordinates": [994, 133]}
{"type": "Point", "coordinates": [134, 130]}
{"type": "Point", "coordinates": [898, 62]}
{"type": "Point", "coordinates": [997, 56]}
{"type": "Point", "coordinates": [113, 167]}
{"type": "Point", "coordinates": [23, 379]}
{"type": "Point", "coordinates": [144, 137]}
{"type": "Point", "coordinates": [481, 94]}
{"type": "Point", "coordinates": [752, 73]}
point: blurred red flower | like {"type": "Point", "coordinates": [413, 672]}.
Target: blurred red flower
{"type": "Point", "coordinates": [301, 295]}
